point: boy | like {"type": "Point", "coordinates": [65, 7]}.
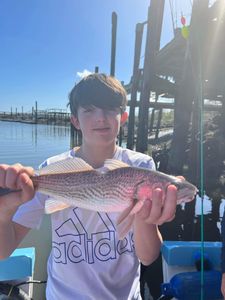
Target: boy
{"type": "Point", "coordinates": [87, 260]}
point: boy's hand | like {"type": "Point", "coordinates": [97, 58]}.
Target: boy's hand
{"type": "Point", "coordinates": [158, 209]}
{"type": "Point", "coordinates": [16, 177]}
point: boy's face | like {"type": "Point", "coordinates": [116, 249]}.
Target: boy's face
{"type": "Point", "coordinates": [99, 126]}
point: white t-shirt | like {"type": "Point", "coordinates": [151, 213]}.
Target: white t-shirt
{"type": "Point", "coordinates": [87, 261]}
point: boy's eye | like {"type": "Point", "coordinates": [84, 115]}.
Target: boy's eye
{"type": "Point", "coordinates": [88, 109]}
{"type": "Point", "coordinates": [111, 110]}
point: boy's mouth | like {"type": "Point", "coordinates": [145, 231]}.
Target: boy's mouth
{"type": "Point", "coordinates": [101, 129]}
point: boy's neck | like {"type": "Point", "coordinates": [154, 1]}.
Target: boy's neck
{"type": "Point", "coordinates": [95, 156]}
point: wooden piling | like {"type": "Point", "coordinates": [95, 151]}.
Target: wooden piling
{"type": "Point", "coordinates": [113, 44]}
{"type": "Point", "coordinates": [135, 82]}
{"type": "Point", "coordinates": [154, 27]}
{"type": "Point", "coordinates": [36, 116]}
{"type": "Point", "coordinates": [197, 32]}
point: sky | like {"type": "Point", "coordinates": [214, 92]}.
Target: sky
{"type": "Point", "coordinates": [47, 45]}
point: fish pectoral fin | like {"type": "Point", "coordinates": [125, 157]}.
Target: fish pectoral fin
{"type": "Point", "coordinates": [124, 222]}
{"type": "Point", "coordinates": [112, 164]}
{"type": "Point", "coordinates": [137, 207]}
{"type": "Point", "coordinates": [126, 219]}
{"type": "Point", "coordinates": [68, 165]}
{"type": "Point", "coordinates": [53, 205]}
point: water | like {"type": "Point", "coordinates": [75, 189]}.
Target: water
{"type": "Point", "coordinates": [31, 144]}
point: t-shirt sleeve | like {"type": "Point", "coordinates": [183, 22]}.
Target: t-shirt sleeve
{"type": "Point", "coordinates": [30, 214]}
{"type": "Point", "coordinates": [147, 163]}
{"type": "Point", "coordinates": [137, 159]}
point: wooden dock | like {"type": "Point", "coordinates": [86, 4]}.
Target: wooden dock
{"type": "Point", "coordinates": [50, 116]}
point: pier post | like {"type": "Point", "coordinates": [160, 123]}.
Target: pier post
{"type": "Point", "coordinates": [154, 28]}
{"type": "Point", "coordinates": [135, 84]}
{"type": "Point", "coordinates": [113, 45]}
{"type": "Point", "coordinates": [36, 108]}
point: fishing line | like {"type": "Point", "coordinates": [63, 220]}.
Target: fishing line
{"type": "Point", "coordinates": [201, 153]}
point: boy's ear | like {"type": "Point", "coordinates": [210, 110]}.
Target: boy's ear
{"type": "Point", "coordinates": [75, 122]}
{"type": "Point", "coordinates": [124, 117]}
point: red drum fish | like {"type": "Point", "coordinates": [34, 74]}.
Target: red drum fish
{"type": "Point", "coordinates": [112, 188]}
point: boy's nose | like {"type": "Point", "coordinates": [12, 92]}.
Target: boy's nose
{"type": "Point", "coordinates": [100, 114]}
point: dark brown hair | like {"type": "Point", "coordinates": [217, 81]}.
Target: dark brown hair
{"type": "Point", "coordinates": [98, 90]}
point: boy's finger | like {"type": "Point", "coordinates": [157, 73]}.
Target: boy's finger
{"type": "Point", "coordinates": [26, 184]}
{"type": "Point", "coordinates": [10, 174]}
{"type": "Point", "coordinates": [28, 170]}
{"type": "Point", "coordinates": [11, 177]}
{"type": "Point", "coordinates": [145, 210]}
{"type": "Point", "coordinates": [2, 174]}
{"type": "Point", "coordinates": [169, 209]}
{"type": "Point", "coordinates": [156, 209]}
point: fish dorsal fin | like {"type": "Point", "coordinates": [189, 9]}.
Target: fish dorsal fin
{"type": "Point", "coordinates": [112, 164]}
{"type": "Point", "coordinates": [68, 165]}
